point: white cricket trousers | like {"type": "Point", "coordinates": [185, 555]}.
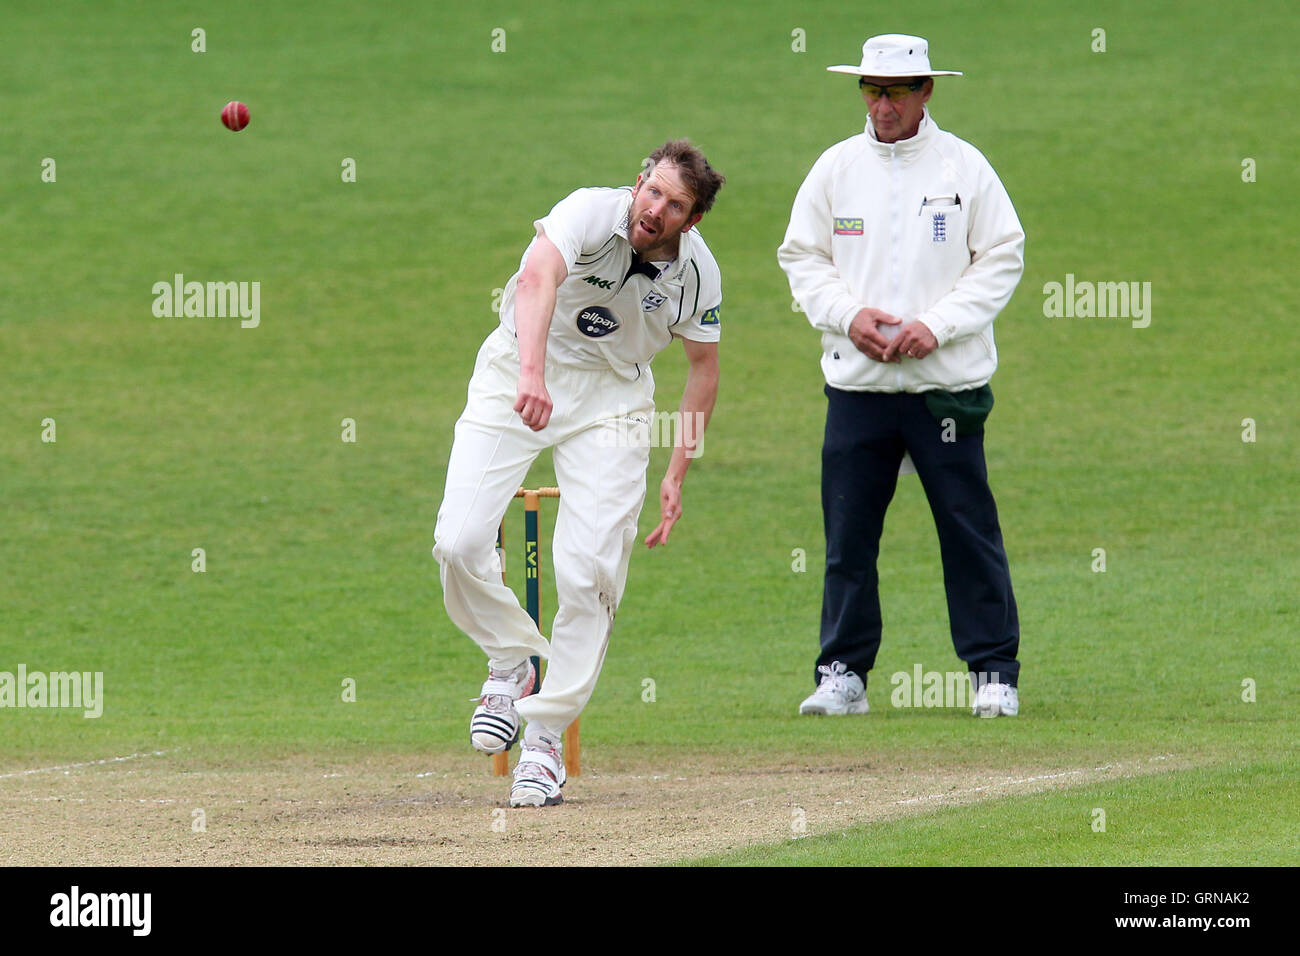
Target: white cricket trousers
{"type": "Point", "coordinates": [601, 475]}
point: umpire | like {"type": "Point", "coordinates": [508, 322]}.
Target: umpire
{"type": "Point", "coordinates": [902, 248]}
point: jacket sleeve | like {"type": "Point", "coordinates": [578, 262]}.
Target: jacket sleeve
{"type": "Point", "coordinates": [805, 254]}
{"type": "Point", "coordinates": [997, 247]}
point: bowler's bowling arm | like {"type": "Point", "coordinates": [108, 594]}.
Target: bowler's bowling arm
{"type": "Point", "coordinates": [534, 306]}
{"type": "Point", "coordinates": [535, 302]}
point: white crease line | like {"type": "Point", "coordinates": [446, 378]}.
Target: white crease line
{"type": "Point", "coordinates": [92, 800]}
{"type": "Point", "coordinates": [1012, 783]}
{"type": "Point", "coordinates": [89, 763]}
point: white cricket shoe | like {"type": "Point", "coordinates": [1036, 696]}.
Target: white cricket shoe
{"type": "Point", "coordinates": [494, 728]}
{"type": "Point", "coordinates": [539, 774]}
{"type": "Point", "coordinates": [840, 692]}
{"type": "Point", "coordinates": [996, 700]}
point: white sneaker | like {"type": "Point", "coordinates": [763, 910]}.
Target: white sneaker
{"type": "Point", "coordinates": [996, 700]}
{"type": "Point", "coordinates": [539, 774]}
{"type": "Point", "coordinates": [840, 692]}
{"type": "Point", "coordinates": [494, 728]}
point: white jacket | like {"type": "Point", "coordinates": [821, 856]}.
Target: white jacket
{"type": "Point", "coordinates": [922, 229]}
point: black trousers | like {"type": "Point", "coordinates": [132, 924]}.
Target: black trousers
{"type": "Point", "coordinates": [866, 435]}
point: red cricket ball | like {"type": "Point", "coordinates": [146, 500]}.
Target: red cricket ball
{"type": "Point", "coordinates": [235, 115]}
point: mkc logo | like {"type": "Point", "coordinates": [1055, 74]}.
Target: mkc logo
{"type": "Point", "coordinates": [848, 227]}
{"type": "Point", "coordinates": [599, 283]}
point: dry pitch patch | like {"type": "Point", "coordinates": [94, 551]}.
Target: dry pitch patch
{"type": "Point", "coordinates": [405, 810]}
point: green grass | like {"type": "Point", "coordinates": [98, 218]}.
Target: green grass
{"type": "Point", "coordinates": [1226, 816]}
{"type": "Point", "coordinates": [175, 434]}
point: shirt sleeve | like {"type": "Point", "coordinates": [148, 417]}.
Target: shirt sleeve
{"type": "Point", "coordinates": [580, 222]}
{"type": "Point", "coordinates": [701, 303]}
{"type": "Point", "coordinates": [805, 254]}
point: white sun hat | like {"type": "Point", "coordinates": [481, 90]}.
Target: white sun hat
{"type": "Point", "coordinates": [894, 55]}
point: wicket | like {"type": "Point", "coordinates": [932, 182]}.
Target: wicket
{"type": "Point", "coordinates": [533, 595]}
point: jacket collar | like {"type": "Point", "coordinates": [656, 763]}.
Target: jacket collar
{"type": "Point", "coordinates": [905, 149]}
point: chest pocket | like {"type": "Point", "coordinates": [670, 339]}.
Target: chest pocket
{"type": "Point", "coordinates": [942, 220]}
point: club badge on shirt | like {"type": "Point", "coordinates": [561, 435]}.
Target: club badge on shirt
{"type": "Point", "coordinates": [652, 301]}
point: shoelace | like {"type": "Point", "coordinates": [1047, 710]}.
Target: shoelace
{"type": "Point", "coordinates": [532, 770]}
{"type": "Point", "coordinates": [499, 703]}
{"type": "Point", "coordinates": [836, 676]}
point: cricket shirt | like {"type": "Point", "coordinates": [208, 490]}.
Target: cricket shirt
{"type": "Point", "coordinates": [613, 310]}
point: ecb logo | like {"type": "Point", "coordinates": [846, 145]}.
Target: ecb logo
{"type": "Point", "coordinates": [940, 233]}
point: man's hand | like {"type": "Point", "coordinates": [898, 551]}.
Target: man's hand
{"type": "Point", "coordinates": [914, 340]}
{"type": "Point", "coordinates": [670, 509]}
{"type": "Point", "coordinates": [866, 336]}
{"type": "Point", "coordinates": [534, 402]}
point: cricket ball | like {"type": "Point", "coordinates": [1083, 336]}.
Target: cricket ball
{"type": "Point", "coordinates": [235, 115]}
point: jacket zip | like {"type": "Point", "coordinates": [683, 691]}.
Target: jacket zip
{"type": "Point", "coordinates": [895, 240]}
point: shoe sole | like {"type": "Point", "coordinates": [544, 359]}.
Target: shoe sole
{"type": "Point", "coordinates": [495, 748]}
{"type": "Point", "coordinates": [527, 801]}
{"type": "Point", "coordinates": [858, 707]}
{"type": "Point", "coordinates": [530, 800]}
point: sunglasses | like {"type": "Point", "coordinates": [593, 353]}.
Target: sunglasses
{"type": "Point", "coordinates": [895, 91]}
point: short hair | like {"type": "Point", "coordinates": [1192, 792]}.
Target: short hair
{"type": "Point", "coordinates": [697, 175]}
